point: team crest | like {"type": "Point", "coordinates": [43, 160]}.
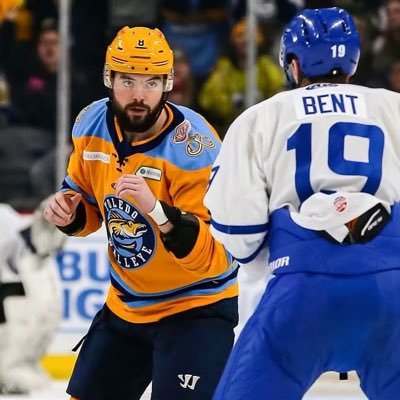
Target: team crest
{"type": "Point", "coordinates": [196, 143]}
{"type": "Point", "coordinates": [130, 235]}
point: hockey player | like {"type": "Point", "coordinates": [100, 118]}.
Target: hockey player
{"type": "Point", "coordinates": [313, 174]}
{"type": "Point", "coordinates": [141, 165]}
{"type": "Point", "coordinates": [30, 298]}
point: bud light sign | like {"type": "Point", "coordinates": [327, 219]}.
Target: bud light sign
{"type": "Point", "coordinates": [84, 272]}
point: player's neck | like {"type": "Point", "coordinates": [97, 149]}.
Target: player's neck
{"type": "Point", "coordinates": [338, 79]}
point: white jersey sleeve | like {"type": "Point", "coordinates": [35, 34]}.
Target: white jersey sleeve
{"type": "Point", "coordinates": [237, 195]}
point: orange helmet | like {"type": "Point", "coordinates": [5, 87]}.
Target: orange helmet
{"type": "Point", "coordinates": [140, 50]}
{"type": "Point", "coordinates": [6, 6]}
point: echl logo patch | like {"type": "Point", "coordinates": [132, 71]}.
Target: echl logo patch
{"type": "Point", "coordinates": [340, 204]}
{"type": "Point", "coordinates": [130, 235]}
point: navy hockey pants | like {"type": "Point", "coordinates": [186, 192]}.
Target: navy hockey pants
{"type": "Point", "coordinates": [182, 355]}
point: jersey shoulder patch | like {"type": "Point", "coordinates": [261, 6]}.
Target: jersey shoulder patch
{"type": "Point", "coordinates": [91, 121]}
{"type": "Point", "coordinates": [192, 144]}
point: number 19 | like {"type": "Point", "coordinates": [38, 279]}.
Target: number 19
{"type": "Point", "coordinates": [300, 141]}
{"type": "Point", "coordinates": [338, 50]}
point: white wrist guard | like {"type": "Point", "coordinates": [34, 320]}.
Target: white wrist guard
{"type": "Point", "coordinates": [158, 215]}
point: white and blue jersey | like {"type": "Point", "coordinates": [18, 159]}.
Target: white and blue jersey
{"type": "Point", "coordinates": [338, 141]}
{"type": "Point", "coordinates": [313, 160]}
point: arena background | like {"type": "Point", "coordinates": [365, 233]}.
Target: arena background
{"type": "Point", "coordinates": [83, 264]}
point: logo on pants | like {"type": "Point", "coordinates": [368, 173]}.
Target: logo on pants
{"type": "Point", "coordinates": [188, 381]}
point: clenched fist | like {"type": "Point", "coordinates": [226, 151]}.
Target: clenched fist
{"type": "Point", "coordinates": [135, 186]}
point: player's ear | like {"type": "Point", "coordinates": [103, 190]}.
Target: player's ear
{"type": "Point", "coordinates": [292, 72]}
{"type": "Point", "coordinates": [295, 69]}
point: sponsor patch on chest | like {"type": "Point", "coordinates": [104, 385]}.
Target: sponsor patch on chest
{"type": "Point", "coordinates": [149, 172]}
{"type": "Point", "coordinates": [96, 156]}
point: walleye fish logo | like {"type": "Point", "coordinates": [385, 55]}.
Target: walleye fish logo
{"type": "Point", "coordinates": [125, 230]}
{"type": "Point", "coordinates": [131, 236]}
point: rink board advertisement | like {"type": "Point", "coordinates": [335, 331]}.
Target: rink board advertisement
{"type": "Point", "coordinates": [84, 274]}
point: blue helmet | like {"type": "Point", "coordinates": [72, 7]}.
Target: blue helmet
{"type": "Point", "coordinates": [323, 40]}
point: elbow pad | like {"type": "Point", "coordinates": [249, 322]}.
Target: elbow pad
{"type": "Point", "coordinates": [182, 238]}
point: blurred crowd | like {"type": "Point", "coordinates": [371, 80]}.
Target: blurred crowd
{"type": "Point", "coordinates": [209, 38]}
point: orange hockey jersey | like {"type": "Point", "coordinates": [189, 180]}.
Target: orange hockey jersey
{"type": "Point", "coordinates": [147, 282]}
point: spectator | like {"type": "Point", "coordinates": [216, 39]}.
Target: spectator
{"type": "Point", "coordinates": [223, 94]}
{"type": "Point", "coordinates": [394, 76]}
{"type": "Point", "coordinates": [386, 47]}
{"type": "Point", "coordinates": [4, 99]}
{"type": "Point", "coordinates": [36, 95]}
{"type": "Point", "coordinates": [200, 28]}
{"type": "Point", "coordinates": [35, 102]}
{"type": "Point", "coordinates": [367, 32]}
{"type": "Point", "coordinates": [15, 42]}
{"type": "Point", "coordinates": [183, 91]}
{"type": "Point", "coordinates": [8, 113]}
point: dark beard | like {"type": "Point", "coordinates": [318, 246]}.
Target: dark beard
{"type": "Point", "coordinates": [136, 124]}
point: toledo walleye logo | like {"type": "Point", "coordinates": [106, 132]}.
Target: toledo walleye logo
{"type": "Point", "coordinates": [130, 235]}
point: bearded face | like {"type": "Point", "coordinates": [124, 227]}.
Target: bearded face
{"type": "Point", "coordinates": [136, 116]}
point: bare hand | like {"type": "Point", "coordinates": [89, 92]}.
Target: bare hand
{"type": "Point", "coordinates": [60, 210]}
{"type": "Point", "coordinates": [135, 186]}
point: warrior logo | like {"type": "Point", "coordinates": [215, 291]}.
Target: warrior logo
{"type": "Point", "coordinates": [130, 235]}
